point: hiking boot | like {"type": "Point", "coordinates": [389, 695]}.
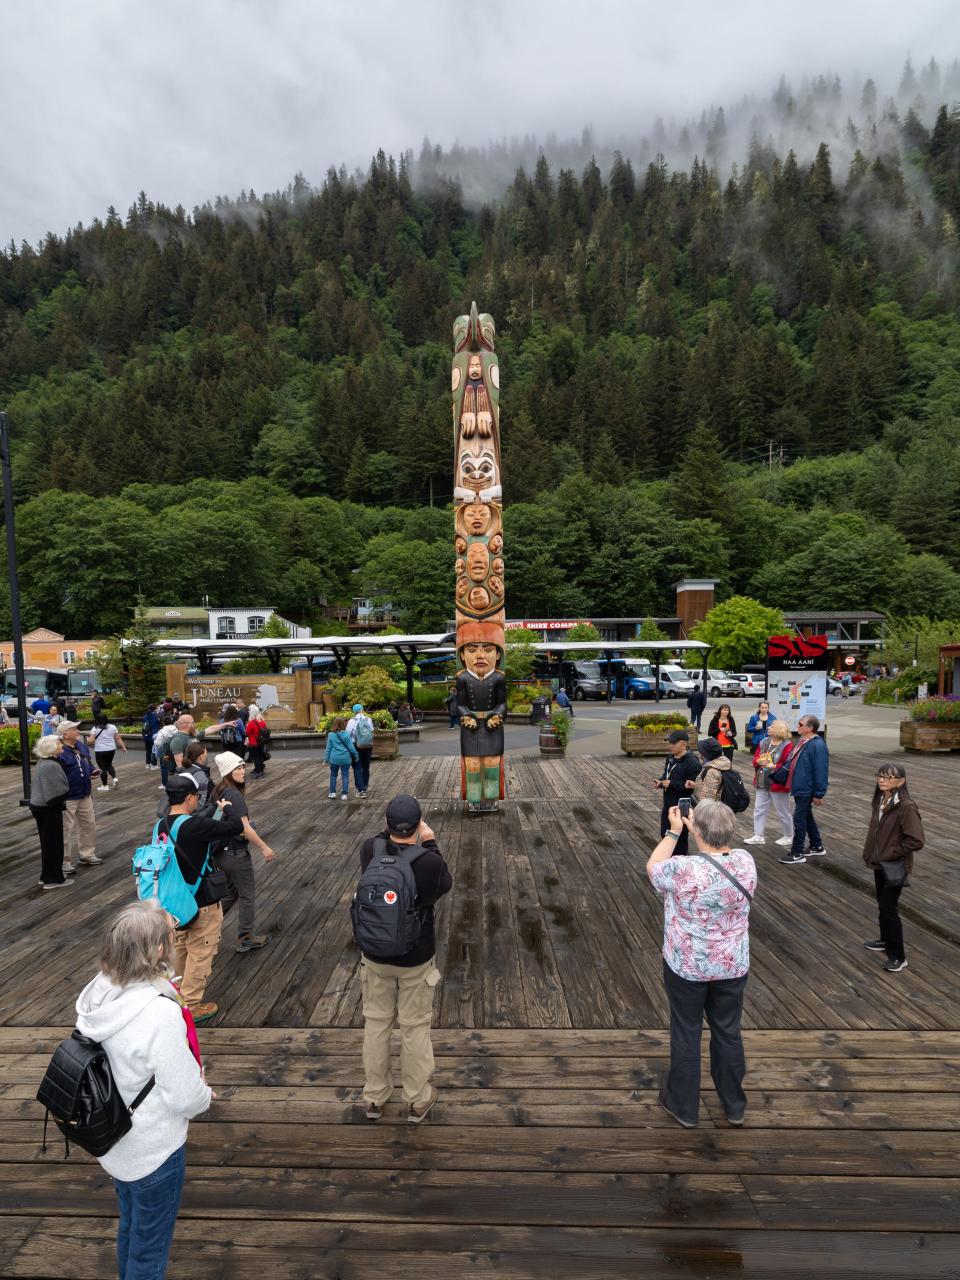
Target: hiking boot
{"type": "Point", "coordinates": [894, 966]}
{"type": "Point", "coordinates": [251, 941]}
{"type": "Point", "coordinates": [91, 861]}
{"type": "Point", "coordinates": [418, 1114]}
{"type": "Point", "coordinates": [204, 1012]}
{"type": "Point", "coordinates": [879, 945]}
{"type": "Point", "coordinates": [818, 852]}
{"type": "Point", "coordinates": [687, 1124]}
{"type": "Point", "coordinates": [374, 1111]}
{"type": "Point", "coordinates": [792, 859]}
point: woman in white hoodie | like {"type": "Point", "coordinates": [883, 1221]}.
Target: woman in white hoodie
{"type": "Point", "coordinates": [134, 1011]}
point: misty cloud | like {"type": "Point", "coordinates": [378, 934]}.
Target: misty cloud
{"type": "Point", "coordinates": [189, 100]}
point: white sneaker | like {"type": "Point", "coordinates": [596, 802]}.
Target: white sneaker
{"type": "Point", "coordinates": [103, 788]}
{"type": "Point", "coordinates": [344, 796]}
{"type": "Point", "coordinates": [116, 782]}
{"type": "Point", "coordinates": [161, 787]}
{"type": "Point", "coordinates": [786, 841]}
{"type": "Point", "coordinates": [332, 795]}
{"type": "Point", "coordinates": [756, 840]}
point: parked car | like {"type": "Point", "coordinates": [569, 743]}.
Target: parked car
{"type": "Point", "coordinates": [753, 684]}
{"type": "Point", "coordinates": [676, 683]}
{"type": "Point", "coordinates": [721, 684]}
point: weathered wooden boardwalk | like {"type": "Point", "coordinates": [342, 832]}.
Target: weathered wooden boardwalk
{"type": "Point", "coordinates": [548, 1153]}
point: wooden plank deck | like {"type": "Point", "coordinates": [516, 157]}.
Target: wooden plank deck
{"type": "Point", "coordinates": [548, 1153]}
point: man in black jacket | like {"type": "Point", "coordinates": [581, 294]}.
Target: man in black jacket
{"type": "Point", "coordinates": [197, 944]}
{"type": "Point", "coordinates": [696, 702]}
{"type": "Point", "coordinates": [680, 767]}
{"type": "Point", "coordinates": [398, 990]}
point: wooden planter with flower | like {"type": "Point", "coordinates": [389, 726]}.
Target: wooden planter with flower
{"type": "Point", "coordinates": [386, 740]}
{"type": "Point", "coordinates": [934, 725]}
{"type": "Point", "coordinates": [646, 733]}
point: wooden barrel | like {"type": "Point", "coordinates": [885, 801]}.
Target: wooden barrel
{"type": "Point", "coordinates": [549, 742]}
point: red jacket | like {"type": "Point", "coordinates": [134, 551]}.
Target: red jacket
{"type": "Point", "coordinates": [787, 749]}
{"type": "Point", "coordinates": [253, 732]}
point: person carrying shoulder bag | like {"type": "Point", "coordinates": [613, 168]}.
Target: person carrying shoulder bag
{"type": "Point", "coordinates": [894, 835]}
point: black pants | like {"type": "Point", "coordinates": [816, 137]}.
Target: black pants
{"type": "Point", "coordinates": [148, 750]}
{"type": "Point", "coordinates": [891, 930]}
{"type": "Point", "coordinates": [728, 752]}
{"type": "Point", "coordinates": [105, 765]}
{"type": "Point", "coordinates": [256, 759]}
{"type": "Point", "coordinates": [681, 843]}
{"type": "Point", "coordinates": [722, 1003]}
{"type": "Point", "coordinates": [49, 821]}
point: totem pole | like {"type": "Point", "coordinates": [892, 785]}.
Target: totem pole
{"type": "Point", "coordinates": [477, 496]}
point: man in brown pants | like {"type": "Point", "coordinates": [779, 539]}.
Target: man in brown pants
{"type": "Point", "coordinates": [398, 990]}
{"type": "Point", "coordinates": [197, 943]}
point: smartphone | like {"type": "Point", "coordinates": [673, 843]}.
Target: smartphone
{"type": "Point", "coordinates": [683, 804]}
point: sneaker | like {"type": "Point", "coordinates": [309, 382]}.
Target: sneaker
{"type": "Point", "coordinates": [361, 795]}
{"type": "Point", "coordinates": [55, 884]}
{"type": "Point", "coordinates": [417, 1114]}
{"type": "Point", "coordinates": [894, 966]}
{"type": "Point", "coordinates": [251, 941]}
{"type": "Point", "coordinates": [687, 1124]}
{"type": "Point", "coordinates": [790, 859]}
{"type": "Point", "coordinates": [332, 795]}
{"type": "Point", "coordinates": [102, 788]}
{"type": "Point", "coordinates": [69, 869]}
{"type": "Point", "coordinates": [786, 841]}
{"type": "Point", "coordinates": [879, 945]}
{"type": "Point", "coordinates": [344, 796]}
{"type": "Point", "coordinates": [92, 861]}
{"type": "Point", "coordinates": [818, 852]}
{"type": "Point", "coordinates": [374, 1111]}
{"type": "Point", "coordinates": [756, 840]}
{"type": "Point", "coordinates": [116, 782]}
{"type": "Point", "coordinates": [204, 1012]}
{"type": "Point", "coordinates": [737, 1121]}
{"type": "Point", "coordinates": [161, 787]}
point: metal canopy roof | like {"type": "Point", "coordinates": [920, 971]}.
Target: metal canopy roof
{"type": "Point", "coordinates": [607, 646]}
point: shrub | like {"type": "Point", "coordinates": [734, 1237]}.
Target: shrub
{"type": "Point", "coordinates": [520, 696]}
{"type": "Point", "coordinates": [10, 742]}
{"type": "Point", "coordinates": [937, 710]}
{"type": "Point", "coordinates": [381, 720]}
{"type": "Point", "coordinates": [659, 722]}
{"type": "Point", "coordinates": [372, 686]}
{"type": "Point", "coordinates": [431, 697]}
{"type": "Point", "coordinates": [880, 693]}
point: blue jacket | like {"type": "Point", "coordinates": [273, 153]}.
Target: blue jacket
{"type": "Point", "coordinates": [151, 725]}
{"type": "Point", "coordinates": [79, 772]}
{"type": "Point", "coordinates": [340, 748]}
{"type": "Point", "coordinates": [811, 766]}
{"type": "Point", "coordinates": [757, 728]}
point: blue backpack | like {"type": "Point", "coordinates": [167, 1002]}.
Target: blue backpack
{"type": "Point", "coordinates": [158, 875]}
{"type": "Point", "coordinates": [364, 731]}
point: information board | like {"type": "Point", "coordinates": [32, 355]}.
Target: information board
{"type": "Point", "coordinates": [797, 668]}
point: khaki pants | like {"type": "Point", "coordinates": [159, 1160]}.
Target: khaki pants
{"type": "Point", "coordinates": [393, 996]}
{"type": "Point", "coordinates": [79, 829]}
{"type": "Point", "coordinates": [197, 950]}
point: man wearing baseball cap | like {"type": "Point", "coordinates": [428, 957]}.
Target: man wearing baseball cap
{"type": "Point", "coordinates": [398, 990]}
{"type": "Point", "coordinates": [680, 767]}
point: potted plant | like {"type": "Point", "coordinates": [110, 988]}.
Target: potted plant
{"type": "Point", "coordinates": [933, 725]}
{"type": "Point", "coordinates": [386, 740]}
{"type": "Point", "coordinates": [555, 733]}
{"type": "Point", "coordinates": [646, 732]}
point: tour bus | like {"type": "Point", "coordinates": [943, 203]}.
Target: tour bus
{"type": "Point", "coordinates": [39, 681]}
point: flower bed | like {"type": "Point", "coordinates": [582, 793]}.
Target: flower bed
{"type": "Point", "coordinates": [646, 732]}
{"type": "Point", "coordinates": [939, 710]}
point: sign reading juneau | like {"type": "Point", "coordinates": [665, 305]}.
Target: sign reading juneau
{"type": "Point", "coordinates": [797, 669]}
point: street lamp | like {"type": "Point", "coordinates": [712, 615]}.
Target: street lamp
{"type": "Point", "coordinates": [8, 516]}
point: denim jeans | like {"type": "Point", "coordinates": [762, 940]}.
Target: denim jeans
{"type": "Point", "coordinates": [722, 1003]}
{"type": "Point", "coordinates": [344, 771]}
{"type": "Point", "coordinates": [804, 824]}
{"type": "Point", "coordinates": [148, 1214]}
{"type": "Point", "coordinates": [361, 768]}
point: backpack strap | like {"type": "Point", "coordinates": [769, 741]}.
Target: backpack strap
{"type": "Point", "coordinates": [727, 875]}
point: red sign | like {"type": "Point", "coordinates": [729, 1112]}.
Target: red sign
{"type": "Point", "coordinates": [850, 661]}
{"type": "Point", "coordinates": [554, 624]}
{"type": "Point", "coordinates": [799, 653]}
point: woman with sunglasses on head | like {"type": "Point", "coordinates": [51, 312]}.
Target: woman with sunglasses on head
{"type": "Point", "coordinates": [894, 835]}
{"type": "Point", "coordinates": [234, 856]}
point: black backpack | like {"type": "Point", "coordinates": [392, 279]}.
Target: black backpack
{"type": "Point", "coordinates": [732, 791]}
{"type": "Point", "coordinates": [80, 1093]}
{"type": "Point", "coordinates": [386, 922]}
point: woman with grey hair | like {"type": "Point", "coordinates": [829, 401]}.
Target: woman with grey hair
{"type": "Point", "coordinates": [706, 956]}
{"type": "Point", "coordinates": [48, 794]}
{"type": "Point", "coordinates": [133, 1010]}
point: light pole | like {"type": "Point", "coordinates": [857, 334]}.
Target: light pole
{"type": "Point", "coordinates": [15, 606]}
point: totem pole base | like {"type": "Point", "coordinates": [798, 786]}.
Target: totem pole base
{"type": "Point", "coordinates": [476, 808]}
{"type": "Point", "coordinates": [485, 805]}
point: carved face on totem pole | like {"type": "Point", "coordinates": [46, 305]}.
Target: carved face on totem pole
{"type": "Point", "coordinates": [480, 659]}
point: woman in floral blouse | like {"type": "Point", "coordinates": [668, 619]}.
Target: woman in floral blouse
{"type": "Point", "coordinates": [706, 957]}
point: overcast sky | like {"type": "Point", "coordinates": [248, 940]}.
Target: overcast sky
{"type": "Point", "coordinates": [188, 99]}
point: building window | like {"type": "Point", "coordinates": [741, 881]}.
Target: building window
{"type": "Point", "coordinates": [69, 657]}
{"type": "Point", "coordinates": [256, 623]}
{"type": "Point", "coordinates": [90, 655]}
{"type": "Point", "coordinates": [226, 625]}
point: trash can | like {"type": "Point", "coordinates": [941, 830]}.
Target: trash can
{"type": "Point", "coordinates": [540, 709]}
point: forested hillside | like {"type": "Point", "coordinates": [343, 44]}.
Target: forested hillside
{"type": "Point", "coordinates": [748, 371]}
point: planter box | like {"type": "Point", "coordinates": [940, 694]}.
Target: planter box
{"type": "Point", "coordinates": [634, 742]}
{"type": "Point", "coordinates": [927, 735]}
{"type": "Point", "coordinates": [549, 742]}
{"type": "Point", "coordinates": [386, 744]}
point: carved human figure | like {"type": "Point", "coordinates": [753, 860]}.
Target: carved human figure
{"type": "Point", "coordinates": [478, 562]}
{"type": "Point", "coordinates": [482, 704]}
{"type": "Point", "coordinates": [476, 416]}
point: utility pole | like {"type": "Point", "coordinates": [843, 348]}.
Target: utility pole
{"type": "Point", "coordinates": [15, 606]}
{"type": "Point", "coordinates": [431, 490]}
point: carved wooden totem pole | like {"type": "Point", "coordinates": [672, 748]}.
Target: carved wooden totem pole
{"type": "Point", "coordinates": [477, 496]}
